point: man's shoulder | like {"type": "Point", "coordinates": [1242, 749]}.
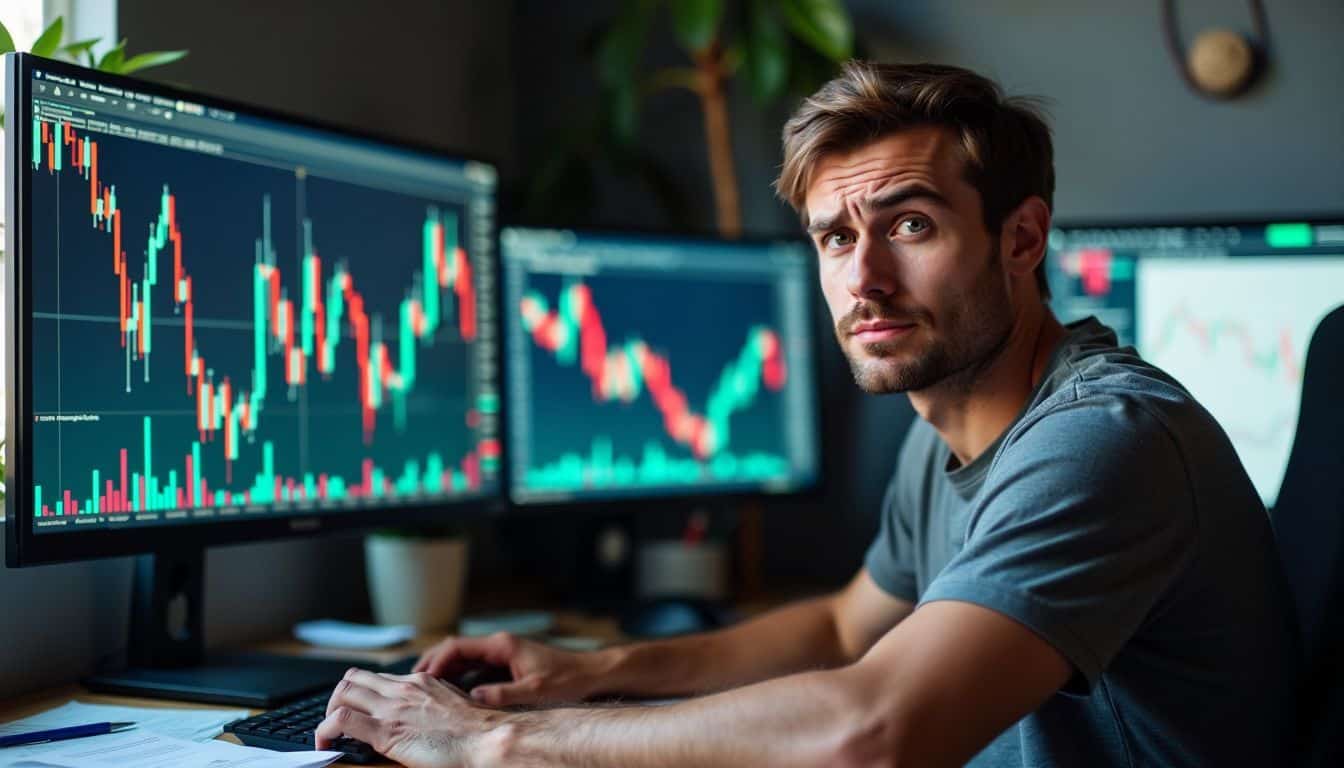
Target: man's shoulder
{"type": "Point", "coordinates": [1100, 394]}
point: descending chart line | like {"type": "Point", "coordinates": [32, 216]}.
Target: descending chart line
{"type": "Point", "coordinates": [575, 331]}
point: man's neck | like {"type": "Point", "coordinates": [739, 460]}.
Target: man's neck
{"type": "Point", "coordinates": [970, 415]}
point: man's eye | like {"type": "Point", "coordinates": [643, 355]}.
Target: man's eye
{"type": "Point", "coordinates": [837, 240]}
{"type": "Point", "coordinates": [915, 225]}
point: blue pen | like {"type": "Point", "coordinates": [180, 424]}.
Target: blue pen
{"type": "Point", "coordinates": [56, 734]}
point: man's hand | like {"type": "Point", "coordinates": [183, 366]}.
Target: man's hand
{"type": "Point", "coordinates": [417, 720]}
{"type": "Point", "coordinates": [541, 674]}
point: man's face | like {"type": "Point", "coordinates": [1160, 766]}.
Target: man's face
{"type": "Point", "coordinates": [913, 281]}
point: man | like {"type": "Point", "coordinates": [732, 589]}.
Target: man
{"type": "Point", "coordinates": [1073, 567]}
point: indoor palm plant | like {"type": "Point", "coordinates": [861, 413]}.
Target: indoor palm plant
{"type": "Point", "coordinates": [775, 48]}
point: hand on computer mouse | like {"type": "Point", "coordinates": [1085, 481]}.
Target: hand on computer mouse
{"type": "Point", "coordinates": [541, 674]}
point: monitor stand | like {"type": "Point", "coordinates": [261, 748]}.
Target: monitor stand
{"type": "Point", "coordinates": [166, 656]}
{"type": "Point", "coordinates": [607, 580]}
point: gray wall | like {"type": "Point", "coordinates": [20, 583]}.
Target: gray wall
{"type": "Point", "coordinates": [1131, 140]}
{"type": "Point", "coordinates": [496, 77]}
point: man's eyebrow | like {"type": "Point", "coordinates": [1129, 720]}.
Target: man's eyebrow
{"type": "Point", "coordinates": [902, 194]}
{"type": "Point", "coordinates": [824, 223]}
{"type": "Point", "coordinates": [880, 202]}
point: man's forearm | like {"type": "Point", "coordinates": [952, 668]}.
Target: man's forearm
{"type": "Point", "coordinates": [814, 718]}
{"type": "Point", "coordinates": [794, 638]}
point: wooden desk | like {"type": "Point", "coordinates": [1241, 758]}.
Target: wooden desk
{"type": "Point", "coordinates": [567, 625]}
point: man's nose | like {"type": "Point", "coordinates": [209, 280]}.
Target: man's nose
{"type": "Point", "coordinates": [873, 270]}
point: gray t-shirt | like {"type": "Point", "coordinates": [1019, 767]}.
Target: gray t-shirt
{"type": "Point", "coordinates": [1114, 520]}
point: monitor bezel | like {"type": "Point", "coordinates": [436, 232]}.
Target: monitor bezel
{"type": "Point", "coordinates": [1232, 220]}
{"type": "Point", "coordinates": [654, 501]}
{"type": "Point", "coordinates": [23, 547]}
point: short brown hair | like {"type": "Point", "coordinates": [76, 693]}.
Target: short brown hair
{"type": "Point", "coordinates": [1009, 155]}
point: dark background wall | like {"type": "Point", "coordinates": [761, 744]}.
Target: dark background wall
{"type": "Point", "coordinates": [500, 78]}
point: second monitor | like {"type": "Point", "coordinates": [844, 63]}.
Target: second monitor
{"type": "Point", "coordinates": [652, 366]}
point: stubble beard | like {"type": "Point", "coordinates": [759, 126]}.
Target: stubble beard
{"type": "Point", "coordinates": [976, 329]}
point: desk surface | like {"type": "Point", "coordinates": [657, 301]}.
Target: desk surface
{"type": "Point", "coordinates": [604, 630]}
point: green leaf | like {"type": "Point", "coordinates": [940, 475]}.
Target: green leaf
{"type": "Point", "coordinates": [696, 22]}
{"type": "Point", "coordinates": [822, 24]}
{"type": "Point", "coordinates": [620, 48]}
{"type": "Point", "coordinates": [618, 57]}
{"type": "Point", "coordinates": [73, 50]}
{"type": "Point", "coordinates": [47, 43]}
{"type": "Point", "coordinates": [113, 59]}
{"type": "Point", "coordinates": [623, 114]}
{"type": "Point", "coordinates": [154, 59]}
{"type": "Point", "coordinates": [767, 53]}
{"type": "Point", "coordinates": [6, 42]}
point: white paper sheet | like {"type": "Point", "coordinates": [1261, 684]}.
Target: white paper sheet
{"type": "Point", "coordinates": [142, 749]}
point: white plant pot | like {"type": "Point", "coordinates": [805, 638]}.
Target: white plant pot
{"type": "Point", "coordinates": [416, 581]}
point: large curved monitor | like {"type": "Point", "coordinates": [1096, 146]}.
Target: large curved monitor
{"type": "Point", "coordinates": [229, 325]}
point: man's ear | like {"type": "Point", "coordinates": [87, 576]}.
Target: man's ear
{"type": "Point", "coordinates": [1023, 238]}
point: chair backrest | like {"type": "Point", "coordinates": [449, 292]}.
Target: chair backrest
{"type": "Point", "coordinates": [1308, 519]}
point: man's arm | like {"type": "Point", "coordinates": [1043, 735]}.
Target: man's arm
{"type": "Point", "coordinates": [934, 691]}
{"type": "Point", "coordinates": [822, 632]}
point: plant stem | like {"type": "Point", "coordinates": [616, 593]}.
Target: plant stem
{"type": "Point", "coordinates": [718, 138]}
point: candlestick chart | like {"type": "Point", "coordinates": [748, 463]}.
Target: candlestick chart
{"type": "Point", "coordinates": [631, 381]}
{"type": "Point", "coordinates": [1239, 343]}
{"type": "Point", "coordinates": [211, 334]}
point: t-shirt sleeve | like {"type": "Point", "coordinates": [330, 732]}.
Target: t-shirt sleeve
{"type": "Point", "coordinates": [1083, 523]}
{"type": "Point", "coordinates": [890, 560]}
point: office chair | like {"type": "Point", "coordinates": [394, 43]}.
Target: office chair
{"type": "Point", "coordinates": [1308, 521]}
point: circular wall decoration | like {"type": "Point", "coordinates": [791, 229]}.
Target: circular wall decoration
{"type": "Point", "coordinates": [1221, 62]}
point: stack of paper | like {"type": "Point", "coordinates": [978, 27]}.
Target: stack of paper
{"type": "Point", "coordinates": [342, 634]}
{"type": "Point", "coordinates": [162, 738]}
{"type": "Point", "coordinates": [190, 724]}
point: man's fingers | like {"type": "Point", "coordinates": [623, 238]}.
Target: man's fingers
{"type": "Point", "coordinates": [354, 695]}
{"type": "Point", "coordinates": [497, 649]}
{"type": "Point", "coordinates": [344, 721]}
{"type": "Point", "coordinates": [422, 663]}
{"type": "Point", "coordinates": [442, 661]}
{"type": "Point", "coordinates": [506, 694]}
{"type": "Point", "coordinates": [439, 654]}
{"type": "Point", "coordinates": [386, 686]}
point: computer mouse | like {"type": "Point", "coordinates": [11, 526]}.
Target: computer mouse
{"type": "Point", "coordinates": [669, 617]}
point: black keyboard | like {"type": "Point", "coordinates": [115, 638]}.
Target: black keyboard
{"type": "Point", "coordinates": [290, 729]}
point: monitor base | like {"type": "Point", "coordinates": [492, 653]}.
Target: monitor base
{"type": "Point", "coordinates": [248, 679]}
